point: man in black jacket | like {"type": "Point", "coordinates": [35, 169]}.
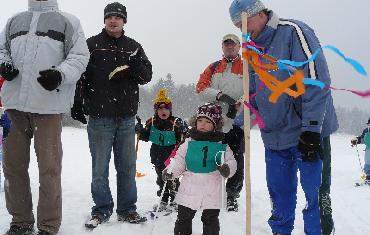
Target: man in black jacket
{"type": "Point", "coordinates": [109, 93]}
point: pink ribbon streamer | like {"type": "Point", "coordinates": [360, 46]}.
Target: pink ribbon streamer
{"type": "Point", "coordinates": [258, 120]}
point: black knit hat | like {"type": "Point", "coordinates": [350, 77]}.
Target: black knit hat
{"type": "Point", "coordinates": [368, 121]}
{"type": "Point", "coordinates": [115, 9]}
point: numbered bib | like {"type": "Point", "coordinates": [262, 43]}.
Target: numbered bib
{"type": "Point", "coordinates": [162, 138]}
{"type": "Point", "coordinates": [367, 140]}
{"type": "Point", "coordinates": [204, 156]}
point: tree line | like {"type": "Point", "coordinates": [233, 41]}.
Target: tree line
{"type": "Point", "coordinates": [185, 101]}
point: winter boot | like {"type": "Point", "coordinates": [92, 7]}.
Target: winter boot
{"type": "Point", "coordinates": [18, 230]}
{"type": "Point", "coordinates": [43, 232]}
{"type": "Point", "coordinates": [172, 206]}
{"type": "Point", "coordinates": [162, 206]}
{"type": "Point", "coordinates": [94, 222]}
{"type": "Point", "coordinates": [367, 180]}
{"type": "Point", "coordinates": [132, 217]}
{"type": "Point", "coordinates": [232, 204]}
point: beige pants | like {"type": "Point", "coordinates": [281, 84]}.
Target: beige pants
{"type": "Point", "coordinates": [46, 130]}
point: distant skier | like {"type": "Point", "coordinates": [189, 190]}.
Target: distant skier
{"type": "Point", "coordinates": [364, 138]}
{"type": "Point", "coordinates": [165, 131]}
{"type": "Point", "coordinates": [199, 162]}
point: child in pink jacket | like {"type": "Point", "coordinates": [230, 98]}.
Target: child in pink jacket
{"type": "Point", "coordinates": [202, 160]}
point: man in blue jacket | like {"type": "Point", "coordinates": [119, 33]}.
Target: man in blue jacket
{"type": "Point", "coordinates": [296, 136]}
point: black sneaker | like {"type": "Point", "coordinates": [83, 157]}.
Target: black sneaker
{"type": "Point", "coordinates": [93, 222]}
{"type": "Point", "coordinates": [232, 204]}
{"type": "Point", "coordinates": [132, 217]}
{"type": "Point", "coordinates": [43, 232]}
{"type": "Point", "coordinates": [19, 230]}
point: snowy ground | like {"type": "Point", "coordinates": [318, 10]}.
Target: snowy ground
{"type": "Point", "coordinates": [351, 204]}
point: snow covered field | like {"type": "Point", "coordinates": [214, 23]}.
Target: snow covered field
{"type": "Point", "coordinates": [351, 205]}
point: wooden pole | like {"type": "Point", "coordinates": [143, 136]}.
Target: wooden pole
{"type": "Point", "coordinates": [247, 158]}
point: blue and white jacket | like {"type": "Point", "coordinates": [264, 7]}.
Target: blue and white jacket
{"type": "Point", "coordinates": [313, 111]}
{"type": "Point", "coordinates": [36, 40]}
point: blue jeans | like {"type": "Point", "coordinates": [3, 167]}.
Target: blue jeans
{"type": "Point", "coordinates": [281, 175]}
{"type": "Point", "coordinates": [119, 134]}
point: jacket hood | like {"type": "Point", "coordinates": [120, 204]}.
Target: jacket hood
{"type": "Point", "coordinates": [265, 37]}
{"type": "Point", "coordinates": [47, 5]}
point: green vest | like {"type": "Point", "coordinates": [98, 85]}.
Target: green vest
{"type": "Point", "coordinates": [367, 139]}
{"type": "Point", "coordinates": [204, 156]}
{"type": "Point", "coordinates": [162, 138]}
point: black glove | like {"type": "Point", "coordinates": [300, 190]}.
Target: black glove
{"type": "Point", "coordinates": [8, 72]}
{"type": "Point", "coordinates": [224, 170]}
{"type": "Point", "coordinates": [77, 112]}
{"type": "Point", "coordinates": [50, 79]}
{"type": "Point", "coordinates": [234, 138]}
{"type": "Point", "coordinates": [138, 127]}
{"type": "Point", "coordinates": [166, 176]}
{"type": "Point", "coordinates": [231, 112]}
{"type": "Point", "coordinates": [182, 126]}
{"type": "Point", "coordinates": [310, 146]}
{"type": "Point", "coordinates": [355, 141]}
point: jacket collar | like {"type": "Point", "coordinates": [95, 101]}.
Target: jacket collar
{"type": "Point", "coordinates": [265, 37]}
{"type": "Point", "coordinates": [49, 5]}
{"type": "Point", "coordinates": [104, 31]}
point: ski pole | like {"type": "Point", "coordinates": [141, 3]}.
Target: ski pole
{"type": "Point", "coordinates": [138, 174]}
{"type": "Point", "coordinates": [223, 190]}
{"type": "Point", "coordinates": [169, 171]}
{"type": "Point", "coordinates": [359, 161]}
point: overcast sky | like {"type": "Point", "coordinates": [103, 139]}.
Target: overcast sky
{"type": "Point", "coordinates": [183, 37]}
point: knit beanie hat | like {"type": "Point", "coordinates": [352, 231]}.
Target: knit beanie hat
{"type": "Point", "coordinates": [368, 121]}
{"type": "Point", "coordinates": [210, 111]}
{"type": "Point", "coordinates": [162, 98]}
{"type": "Point", "coordinates": [251, 7]}
{"type": "Point", "coordinates": [115, 9]}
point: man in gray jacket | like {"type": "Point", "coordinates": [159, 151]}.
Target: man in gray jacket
{"type": "Point", "coordinates": [43, 53]}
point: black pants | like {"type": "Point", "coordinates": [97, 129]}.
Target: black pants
{"type": "Point", "coordinates": [171, 187]}
{"type": "Point", "coordinates": [183, 225]}
{"type": "Point", "coordinates": [326, 218]}
{"type": "Point", "coordinates": [234, 185]}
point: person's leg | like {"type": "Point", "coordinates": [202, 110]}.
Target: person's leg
{"type": "Point", "coordinates": [326, 218]}
{"type": "Point", "coordinates": [161, 183]}
{"type": "Point", "coordinates": [211, 224]}
{"type": "Point", "coordinates": [281, 177]}
{"type": "Point", "coordinates": [183, 224]}
{"type": "Point", "coordinates": [48, 147]}
{"type": "Point", "coordinates": [367, 164]}
{"type": "Point", "coordinates": [101, 134]}
{"type": "Point", "coordinates": [310, 177]}
{"type": "Point", "coordinates": [125, 163]}
{"type": "Point", "coordinates": [234, 185]}
{"type": "Point", "coordinates": [16, 162]}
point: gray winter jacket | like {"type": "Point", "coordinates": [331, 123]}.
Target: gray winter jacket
{"type": "Point", "coordinates": [313, 111]}
{"type": "Point", "coordinates": [36, 40]}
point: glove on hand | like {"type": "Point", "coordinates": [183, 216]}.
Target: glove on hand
{"type": "Point", "coordinates": [224, 170]}
{"type": "Point", "coordinates": [50, 79]}
{"type": "Point", "coordinates": [231, 112]}
{"type": "Point", "coordinates": [77, 112]}
{"type": "Point", "coordinates": [166, 176]}
{"type": "Point", "coordinates": [8, 72]}
{"type": "Point", "coordinates": [310, 146]}
{"type": "Point", "coordinates": [227, 99]}
{"type": "Point", "coordinates": [183, 127]}
{"type": "Point", "coordinates": [354, 141]}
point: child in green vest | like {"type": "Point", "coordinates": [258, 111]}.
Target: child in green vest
{"type": "Point", "coordinates": [203, 161]}
{"type": "Point", "coordinates": [364, 138]}
{"type": "Point", "coordinates": [165, 131]}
